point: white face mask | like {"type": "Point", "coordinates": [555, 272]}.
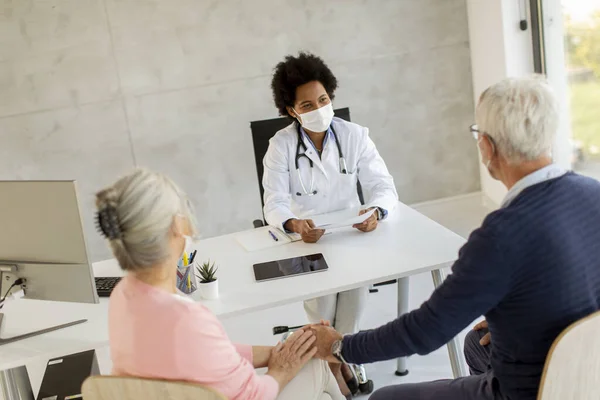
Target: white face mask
{"type": "Point", "coordinates": [317, 120]}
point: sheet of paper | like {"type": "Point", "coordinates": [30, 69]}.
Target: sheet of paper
{"type": "Point", "coordinates": [341, 220]}
{"type": "Point", "coordinates": [260, 239]}
{"type": "Point", "coordinates": [294, 237]}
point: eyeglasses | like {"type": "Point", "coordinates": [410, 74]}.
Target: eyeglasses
{"type": "Point", "coordinates": [476, 133]}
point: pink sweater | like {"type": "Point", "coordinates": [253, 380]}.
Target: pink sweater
{"type": "Point", "coordinates": [155, 334]}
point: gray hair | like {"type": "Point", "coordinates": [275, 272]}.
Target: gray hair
{"type": "Point", "coordinates": [144, 205]}
{"type": "Point", "coordinates": [521, 116]}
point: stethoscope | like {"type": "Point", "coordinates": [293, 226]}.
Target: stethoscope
{"type": "Point", "coordinates": [299, 155]}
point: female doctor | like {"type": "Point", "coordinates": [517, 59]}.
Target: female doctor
{"type": "Point", "coordinates": [313, 166]}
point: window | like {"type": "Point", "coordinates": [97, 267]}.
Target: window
{"type": "Point", "coordinates": [581, 31]}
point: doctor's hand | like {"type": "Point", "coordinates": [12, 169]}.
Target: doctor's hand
{"type": "Point", "coordinates": [306, 229]}
{"type": "Point", "coordinates": [370, 224]}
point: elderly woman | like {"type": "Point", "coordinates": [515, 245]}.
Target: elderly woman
{"type": "Point", "coordinates": [156, 333]}
{"type": "Point", "coordinates": [532, 268]}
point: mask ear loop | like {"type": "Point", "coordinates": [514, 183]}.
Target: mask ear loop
{"type": "Point", "coordinates": [493, 145]}
{"type": "Point", "coordinates": [489, 162]}
{"type": "Point", "coordinates": [298, 118]}
{"type": "Point", "coordinates": [194, 236]}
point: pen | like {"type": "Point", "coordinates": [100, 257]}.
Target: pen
{"type": "Point", "coordinates": [273, 236]}
{"type": "Point", "coordinates": [193, 256]}
{"type": "Point", "coordinates": [186, 260]}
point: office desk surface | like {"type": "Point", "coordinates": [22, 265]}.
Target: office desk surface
{"type": "Point", "coordinates": [407, 243]}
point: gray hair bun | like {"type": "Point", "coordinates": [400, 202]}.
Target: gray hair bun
{"type": "Point", "coordinates": [107, 217]}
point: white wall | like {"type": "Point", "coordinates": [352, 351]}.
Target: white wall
{"type": "Point", "coordinates": [499, 49]}
{"type": "Point", "coordinates": [90, 88]}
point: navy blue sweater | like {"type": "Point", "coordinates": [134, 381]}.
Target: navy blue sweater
{"type": "Point", "coordinates": [532, 269]}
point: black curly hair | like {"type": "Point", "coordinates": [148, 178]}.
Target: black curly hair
{"type": "Point", "coordinates": [296, 71]}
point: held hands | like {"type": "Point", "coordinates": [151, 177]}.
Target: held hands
{"type": "Point", "coordinates": [287, 359]}
{"type": "Point", "coordinates": [306, 229]}
{"type": "Point", "coordinates": [487, 339]}
{"type": "Point", "coordinates": [325, 337]}
{"type": "Point", "coordinates": [370, 224]}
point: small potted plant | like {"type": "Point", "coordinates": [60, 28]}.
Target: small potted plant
{"type": "Point", "coordinates": [209, 285]}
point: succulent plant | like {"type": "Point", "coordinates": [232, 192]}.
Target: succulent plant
{"type": "Point", "coordinates": [207, 272]}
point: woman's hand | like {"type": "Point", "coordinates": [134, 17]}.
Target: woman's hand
{"type": "Point", "coordinates": [306, 229]}
{"type": "Point", "coordinates": [287, 359]}
{"type": "Point", "coordinates": [370, 224]}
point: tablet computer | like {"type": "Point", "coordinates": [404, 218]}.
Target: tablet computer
{"type": "Point", "coordinates": [290, 267]}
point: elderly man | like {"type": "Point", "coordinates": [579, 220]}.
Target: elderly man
{"type": "Point", "coordinates": [532, 268]}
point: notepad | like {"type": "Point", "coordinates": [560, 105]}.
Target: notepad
{"type": "Point", "coordinates": [260, 238]}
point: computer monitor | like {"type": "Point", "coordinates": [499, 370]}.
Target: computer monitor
{"type": "Point", "coordinates": [42, 241]}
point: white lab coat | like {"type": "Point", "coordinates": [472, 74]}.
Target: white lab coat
{"type": "Point", "coordinates": [335, 191]}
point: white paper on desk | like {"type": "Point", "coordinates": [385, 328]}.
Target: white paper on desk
{"type": "Point", "coordinates": [342, 221]}
{"type": "Point", "coordinates": [260, 239]}
{"type": "Point", "coordinates": [294, 237]}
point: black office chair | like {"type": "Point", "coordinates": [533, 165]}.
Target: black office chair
{"type": "Point", "coordinates": [262, 132]}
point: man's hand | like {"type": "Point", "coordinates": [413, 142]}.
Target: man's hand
{"type": "Point", "coordinates": [487, 339]}
{"type": "Point", "coordinates": [370, 224]}
{"type": "Point", "coordinates": [306, 229]}
{"type": "Point", "coordinates": [326, 336]}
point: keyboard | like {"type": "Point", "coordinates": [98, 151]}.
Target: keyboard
{"type": "Point", "coordinates": [105, 286]}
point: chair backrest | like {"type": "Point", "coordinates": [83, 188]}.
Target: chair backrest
{"type": "Point", "coordinates": [263, 131]}
{"type": "Point", "coordinates": [572, 369]}
{"type": "Point", "coordinates": [127, 388]}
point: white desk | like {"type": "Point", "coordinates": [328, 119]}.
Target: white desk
{"type": "Point", "coordinates": [406, 244]}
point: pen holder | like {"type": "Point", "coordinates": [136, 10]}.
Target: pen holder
{"type": "Point", "coordinates": [186, 279]}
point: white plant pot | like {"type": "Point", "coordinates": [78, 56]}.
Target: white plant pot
{"type": "Point", "coordinates": [209, 291]}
